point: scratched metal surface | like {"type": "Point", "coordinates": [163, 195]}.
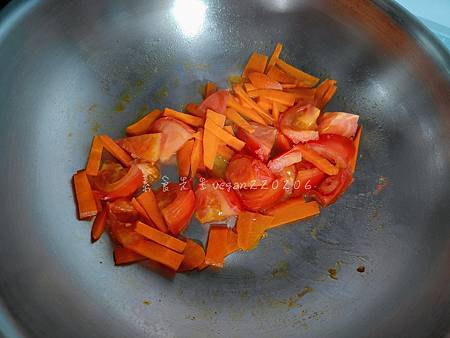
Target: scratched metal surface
{"type": "Point", "coordinates": [74, 68]}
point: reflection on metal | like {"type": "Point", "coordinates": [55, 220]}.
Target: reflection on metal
{"type": "Point", "coordinates": [189, 15]}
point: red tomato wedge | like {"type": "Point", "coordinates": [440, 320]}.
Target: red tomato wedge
{"type": "Point", "coordinates": [262, 81]}
{"type": "Point", "coordinates": [260, 142]}
{"type": "Point", "coordinates": [109, 173]}
{"type": "Point", "coordinates": [177, 206]}
{"type": "Point", "coordinates": [332, 187]}
{"type": "Point", "coordinates": [146, 147]}
{"type": "Point", "coordinates": [287, 177]}
{"type": "Point", "coordinates": [282, 144]}
{"type": "Point", "coordinates": [299, 123]}
{"type": "Point", "coordinates": [286, 159]}
{"type": "Point", "coordinates": [306, 180]}
{"type": "Point", "coordinates": [263, 197]}
{"type": "Point", "coordinates": [336, 148]}
{"type": "Point", "coordinates": [216, 101]}
{"type": "Point", "coordinates": [123, 210]}
{"type": "Point", "coordinates": [215, 201]}
{"type": "Point", "coordinates": [126, 185]}
{"type": "Point", "coordinates": [344, 124]}
{"type": "Point", "coordinates": [246, 171]}
{"type": "Point", "coordinates": [174, 135]}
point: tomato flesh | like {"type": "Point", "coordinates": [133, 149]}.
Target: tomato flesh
{"type": "Point", "coordinates": [286, 159]}
{"type": "Point", "coordinates": [264, 197]}
{"type": "Point", "coordinates": [332, 187]}
{"type": "Point", "coordinates": [298, 123]}
{"type": "Point", "coordinates": [216, 101]}
{"type": "Point", "coordinates": [336, 148]}
{"type": "Point", "coordinates": [338, 123]}
{"type": "Point", "coordinates": [246, 171]}
{"type": "Point", "coordinates": [260, 142]}
{"type": "Point", "coordinates": [306, 180]}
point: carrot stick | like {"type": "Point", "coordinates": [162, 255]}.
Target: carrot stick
{"type": "Point", "coordinates": [210, 88]}
{"type": "Point", "coordinates": [197, 153]}
{"type": "Point", "coordinates": [356, 144]}
{"type": "Point", "coordinates": [275, 55]}
{"type": "Point", "coordinates": [324, 92]}
{"type": "Point", "coordinates": [244, 96]}
{"type": "Point", "coordinates": [232, 242]}
{"type": "Point", "coordinates": [229, 129]}
{"type": "Point", "coordinates": [191, 108]}
{"type": "Point", "coordinates": [292, 210]}
{"type": "Point", "coordinates": [217, 246]}
{"type": "Point", "coordinates": [303, 78]}
{"type": "Point", "coordinates": [225, 137]}
{"type": "Point", "coordinates": [184, 158]}
{"type": "Point", "coordinates": [287, 99]}
{"type": "Point", "coordinates": [237, 119]}
{"type": "Point", "coordinates": [248, 86]}
{"type": "Point", "coordinates": [246, 112]}
{"type": "Point", "coordinates": [262, 81]}
{"type": "Point", "coordinates": [288, 85]}
{"type": "Point", "coordinates": [256, 63]}
{"type": "Point", "coordinates": [276, 74]}
{"type": "Point", "coordinates": [250, 229]}
{"type": "Point", "coordinates": [243, 103]}
{"type": "Point", "coordinates": [141, 211]}
{"type": "Point", "coordinates": [148, 201]}
{"type": "Point", "coordinates": [264, 104]}
{"type": "Point", "coordinates": [191, 120]}
{"type": "Point", "coordinates": [225, 151]}
{"type": "Point", "coordinates": [95, 157]}
{"type": "Point", "coordinates": [114, 149]}
{"type": "Point", "coordinates": [159, 237]}
{"type": "Point", "coordinates": [304, 95]}
{"type": "Point", "coordinates": [210, 140]}
{"type": "Point", "coordinates": [275, 111]}
{"type": "Point", "coordinates": [146, 147]}
{"type": "Point", "coordinates": [157, 253]}
{"type": "Point", "coordinates": [143, 125]}
{"type": "Point", "coordinates": [316, 159]}
{"type": "Point", "coordinates": [281, 107]}
{"type": "Point", "coordinates": [124, 256]}
{"type": "Point", "coordinates": [87, 206]}
{"type": "Point", "coordinates": [194, 256]}
{"type": "Point", "coordinates": [98, 227]}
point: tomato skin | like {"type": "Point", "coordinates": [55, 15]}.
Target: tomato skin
{"type": "Point", "coordinates": [332, 187]}
{"type": "Point", "coordinates": [298, 123]}
{"type": "Point", "coordinates": [123, 210]}
{"type": "Point", "coordinates": [288, 176]}
{"type": "Point", "coordinates": [282, 144]}
{"type": "Point", "coordinates": [337, 148]}
{"type": "Point", "coordinates": [215, 201]}
{"type": "Point", "coordinates": [306, 180]}
{"type": "Point", "coordinates": [109, 173]}
{"type": "Point", "coordinates": [216, 101]}
{"type": "Point", "coordinates": [260, 142]}
{"type": "Point", "coordinates": [262, 197]}
{"type": "Point", "coordinates": [338, 123]}
{"type": "Point", "coordinates": [125, 186]}
{"type": "Point", "coordinates": [247, 171]}
{"type": "Point", "coordinates": [286, 159]}
{"type": "Point", "coordinates": [177, 206]}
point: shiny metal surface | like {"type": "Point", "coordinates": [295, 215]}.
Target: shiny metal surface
{"type": "Point", "coordinates": [73, 68]}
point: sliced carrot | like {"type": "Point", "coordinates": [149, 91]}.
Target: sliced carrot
{"type": "Point", "coordinates": [281, 107]}
{"type": "Point", "coordinates": [279, 96]}
{"type": "Point", "coordinates": [292, 210]}
{"type": "Point", "coordinates": [191, 120]}
{"type": "Point", "coordinates": [225, 151]}
{"type": "Point", "coordinates": [264, 104]}
{"type": "Point", "coordinates": [224, 136]}
{"type": "Point", "coordinates": [304, 79]}
{"type": "Point", "coordinates": [229, 129]}
{"type": "Point", "coordinates": [124, 256]}
{"type": "Point", "coordinates": [256, 63]}
{"type": "Point", "coordinates": [232, 242]}
{"type": "Point", "coordinates": [95, 157]}
{"type": "Point", "coordinates": [316, 159]}
{"type": "Point", "coordinates": [244, 96]}
{"type": "Point", "coordinates": [356, 141]}
{"type": "Point", "coordinates": [159, 237]}
{"type": "Point", "coordinates": [146, 147]}
{"type": "Point", "coordinates": [114, 149]}
{"type": "Point", "coordinates": [157, 253]}
{"type": "Point", "coordinates": [210, 140]}
{"type": "Point", "coordinates": [148, 201]}
{"type": "Point", "coordinates": [141, 211]}
{"type": "Point", "coordinates": [202, 266]}
{"type": "Point", "coordinates": [304, 96]}
{"type": "Point", "coordinates": [184, 156]}
{"type": "Point", "coordinates": [191, 108]}
{"type": "Point", "coordinates": [274, 57]}
{"type": "Point", "coordinates": [324, 93]}
{"type": "Point", "coordinates": [143, 125]}
{"type": "Point", "coordinates": [248, 86]}
{"type": "Point", "coordinates": [250, 229]}
{"type": "Point", "coordinates": [197, 153]}
{"type": "Point", "coordinates": [275, 111]}
{"type": "Point", "coordinates": [288, 85]}
{"type": "Point", "coordinates": [98, 227]}
{"type": "Point", "coordinates": [243, 103]}
{"type": "Point", "coordinates": [276, 74]}
{"type": "Point", "coordinates": [237, 119]}
{"type": "Point", "coordinates": [262, 81]}
{"type": "Point", "coordinates": [246, 112]}
{"type": "Point", "coordinates": [194, 256]}
{"type": "Point", "coordinates": [210, 88]}
{"type": "Point", "coordinates": [217, 246]}
{"type": "Point", "coordinates": [87, 207]}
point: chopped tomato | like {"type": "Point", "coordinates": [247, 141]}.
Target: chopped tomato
{"type": "Point", "coordinates": [338, 123]}
{"type": "Point", "coordinates": [282, 144]}
{"type": "Point", "coordinates": [286, 159]}
{"type": "Point", "coordinates": [288, 176]}
{"type": "Point", "coordinates": [109, 173]}
{"type": "Point", "coordinates": [216, 101]}
{"type": "Point", "coordinates": [146, 147]}
{"type": "Point", "coordinates": [177, 206]}
{"type": "Point", "coordinates": [123, 187]}
{"type": "Point", "coordinates": [215, 201]}
{"type": "Point", "coordinates": [260, 142]}
{"type": "Point", "coordinates": [307, 180]}
{"type": "Point", "coordinates": [123, 210]}
{"type": "Point", "coordinates": [247, 171]}
{"type": "Point", "coordinates": [174, 135]}
{"type": "Point", "coordinates": [299, 123]}
{"type": "Point", "coordinates": [263, 197]}
{"type": "Point", "coordinates": [336, 148]}
{"type": "Point", "coordinates": [332, 187]}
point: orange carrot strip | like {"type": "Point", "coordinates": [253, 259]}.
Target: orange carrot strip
{"type": "Point", "coordinates": [264, 104]}
{"type": "Point", "coordinates": [210, 88]}
{"type": "Point", "coordinates": [191, 108]}
{"type": "Point", "coordinates": [356, 141]}
{"type": "Point", "coordinates": [191, 120]}
{"type": "Point", "coordinates": [303, 78]}
{"type": "Point", "coordinates": [202, 266]}
{"type": "Point", "coordinates": [250, 229]}
{"type": "Point", "coordinates": [232, 242]}
{"type": "Point", "coordinates": [141, 211]}
{"type": "Point", "coordinates": [237, 119]}
{"type": "Point", "coordinates": [304, 95]}
{"type": "Point", "coordinates": [275, 111]}
{"type": "Point", "coordinates": [124, 256]}
{"type": "Point", "coordinates": [275, 55]}
{"type": "Point", "coordinates": [281, 107]}
{"type": "Point", "coordinates": [229, 129]}
{"type": "Point", "coordinates": [243, 103]}
{"type": "Point", "coordinates": [288, 85]}
{"type": "Point", "coordinates": [95, 157]}
{"type": "Point", "coordinates": [276, 74]}
{"type": "Point", "coordinates": [217, 246]}
{"type": "Point", "coordinates": [246, 112]}
{"type": "Point", "coordinates": [210, 140]}
{"type": "Point", "coordinates": [262, 81]}
{"type": "Point", "coordinates": [157, 253]}
{"type": "Point", "coordinates": [194, 256]}
{"type": "Point", "coordinates": [148, 201]}
{"type": "Point", "coordinates": [324, 93]}
{"type": "Point", "coordinates": [197, 153]}
{"type": "Point", "coordinates": [224, 151]}
{"type": "Point", "coordinates": [256, 63]}
{"type": "Point", "coordinates": [114, 149]}
{"type": "Point", "coordinates": [291, 211]}
{"type": "Point", "coordinates": [159, 237]}
{"type": "Point", "coordinates": [87, 206]}
{"type": "Point", "coordinates": [248, 86]}
{"type": "Point", "coordinates": [287, 99]}
{"type": "Point", "coordinates": [224, 136]}
{"type": "Point", "coordinates": [98, 227]}
{"type": "Point", "coordinates": [244, 96]}
{"type": "Point", "coordinates": [146, 147]}
{"type": "Point", "coordinates": [316, 159]}
{"type": "Point", "coordinates": [143, 125]}
{"type": "Point", "coordinates": [184, 158]}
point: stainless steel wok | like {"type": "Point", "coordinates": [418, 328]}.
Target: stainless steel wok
{"type": "Point", "coordinates": [70, 69]}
